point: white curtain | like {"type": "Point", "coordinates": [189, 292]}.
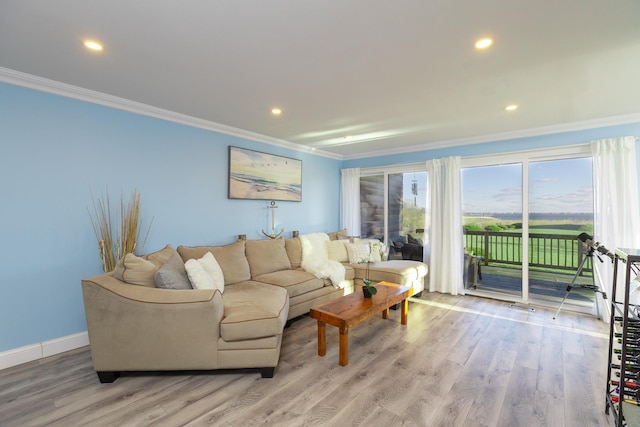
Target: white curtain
{"type": "Point", "coordinates": [444, 253]}
{"type": "Point", "coordinates": [617, 216]}
{"type": "Point", "coordinates": [350, 201]}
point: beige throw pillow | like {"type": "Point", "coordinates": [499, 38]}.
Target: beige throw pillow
{"type": "Point", "coordinates": [338, 250]}
{"type": "Point", "coordinates": [159, 258]}
{"type": "Point", "coordinates": [136, 271]}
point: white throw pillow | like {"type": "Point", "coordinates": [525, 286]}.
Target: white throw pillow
{"type": "Point", "coordinates": [198, 276]}
{"type": "Point", "coordinates": [337, 250]}
{"type": "Point", "coordinates": [358, 252]}
{"type": "Point", "coordinates": [211, 266]}
{"type": "Point", "coordinates": [379, 250]}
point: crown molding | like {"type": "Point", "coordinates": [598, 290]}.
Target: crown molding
{"type": "Point", "coordinates": [69, 91]}
{"type": "Point", "coordinates": [518, 134]}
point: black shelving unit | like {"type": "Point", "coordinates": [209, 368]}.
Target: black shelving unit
{"type": "Point", "coordinates": [623, 373]}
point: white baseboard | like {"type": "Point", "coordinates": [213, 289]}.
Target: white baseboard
{"type": "Point", "coordinates": [43, 349]}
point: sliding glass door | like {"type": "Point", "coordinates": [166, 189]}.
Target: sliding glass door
{"type": "Point", "coordinates": [522, 215]}
{"type": "Point", "coordinates": [392, 208]}
{"type": "Point", "coordinates": [560, 208]}
{"type": "Point", "coordinates": [493, 229]}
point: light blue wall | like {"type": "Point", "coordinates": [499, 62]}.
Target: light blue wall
{"type": "Point", "coordinates": [55, 150]}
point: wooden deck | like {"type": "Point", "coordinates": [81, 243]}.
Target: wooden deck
{"type": "Point", "coordinates": [544, 287]}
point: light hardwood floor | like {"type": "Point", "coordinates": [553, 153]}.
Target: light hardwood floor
{"type": "Point", "coordinates": [461, 361]}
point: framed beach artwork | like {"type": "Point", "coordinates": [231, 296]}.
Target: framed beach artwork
{"type": "Point", "coordinates": [262, 176]}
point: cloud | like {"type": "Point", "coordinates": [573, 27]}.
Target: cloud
{"type": "Point", "coordinates": [580, 200]}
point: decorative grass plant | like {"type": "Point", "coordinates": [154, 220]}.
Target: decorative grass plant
{"type": "Point", "coordinates": [117, 234]}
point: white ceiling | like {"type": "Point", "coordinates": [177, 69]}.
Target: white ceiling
{"type": "Point", "coordinates": [395, 75]}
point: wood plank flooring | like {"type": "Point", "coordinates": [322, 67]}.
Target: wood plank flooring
{"type": "Point", "coordinates": [461, 361]}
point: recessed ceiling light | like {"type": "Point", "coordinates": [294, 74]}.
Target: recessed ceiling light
{"type": "Point", "coordinates": [276, 111]}
{"type": "Point", "coordinates": [484, 43]}
{"type": "Point", "coordinates": [348, 137]}
{"type": "Point", "coordinates": [93, 45]}
{"type": "Point", "coordinates": [511, 107]}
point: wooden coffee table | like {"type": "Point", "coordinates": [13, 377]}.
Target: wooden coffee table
{"type": "Point", "coordinates": [354, 308]}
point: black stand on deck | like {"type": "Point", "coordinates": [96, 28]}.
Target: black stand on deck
{"type": "Point", "coordinates": [594, 287]}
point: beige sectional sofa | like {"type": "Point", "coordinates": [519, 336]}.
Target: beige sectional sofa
{"type": "Point", "coordinates": [145, 328]}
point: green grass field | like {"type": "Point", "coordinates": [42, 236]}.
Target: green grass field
{"type": "Point", "coordinates": [551, 252]}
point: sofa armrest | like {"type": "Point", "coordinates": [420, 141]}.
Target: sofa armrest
{"type": "Point", "coordinates": [134, 328]}
{"type": "Point", "coordinates": [150, 295]}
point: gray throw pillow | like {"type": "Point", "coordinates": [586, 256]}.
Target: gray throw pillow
{"type": "Point", "coordinates": [172, 275]}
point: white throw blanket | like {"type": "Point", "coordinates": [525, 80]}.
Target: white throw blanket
{"type": "Point", "coordinates": [315, 259]}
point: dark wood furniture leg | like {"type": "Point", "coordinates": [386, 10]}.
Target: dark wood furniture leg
{"type": "Point", "coordinates": [404, 311]}
{"type": "Point", "coordinates": [322, 338]}
{"type": "Point", "coordinates": [344, 346]}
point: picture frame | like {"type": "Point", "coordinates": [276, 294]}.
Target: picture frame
{"type": "Point", "coordinates": [255, 175]}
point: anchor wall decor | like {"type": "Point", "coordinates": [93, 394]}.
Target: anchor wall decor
{"type": "Point", "coordinates": [273, 234]}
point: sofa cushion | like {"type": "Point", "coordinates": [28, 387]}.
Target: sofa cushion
{"type": "Point", "coordinates": [266, 256]}
{"type": "Point", "coordinates": [296, 282]}
{"type": "Point", "coordinates": [349, 272]}
{"type": "Point", "coordinates": [294, 251]}
{"type": "Point", "coordinates": [231, 258]}
{"type": "Point", "coordinates": [253, 310]}
{"type": "Point", "coordinates": [159, 258]}
{"type": "Point", "coordinates": [396, 271]}
{"type": "Point", "coordinates": [135, 270]}
{"type": "Point", "coordinates": [339, 235]}
{"type": "Point", "coordinates": [193, 252]}
{"type": "Point", "coordinates": [337, 250]}
{"type": "Point", "coordinates": [172, 275]}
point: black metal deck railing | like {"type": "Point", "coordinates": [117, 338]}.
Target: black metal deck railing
{"type": "Point", "coordinates": [552, 251]}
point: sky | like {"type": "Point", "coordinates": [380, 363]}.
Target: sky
{"type": "Point", "coordinates": [555, 186]}
{"type": "Point", "coordinates": [419, 178]}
